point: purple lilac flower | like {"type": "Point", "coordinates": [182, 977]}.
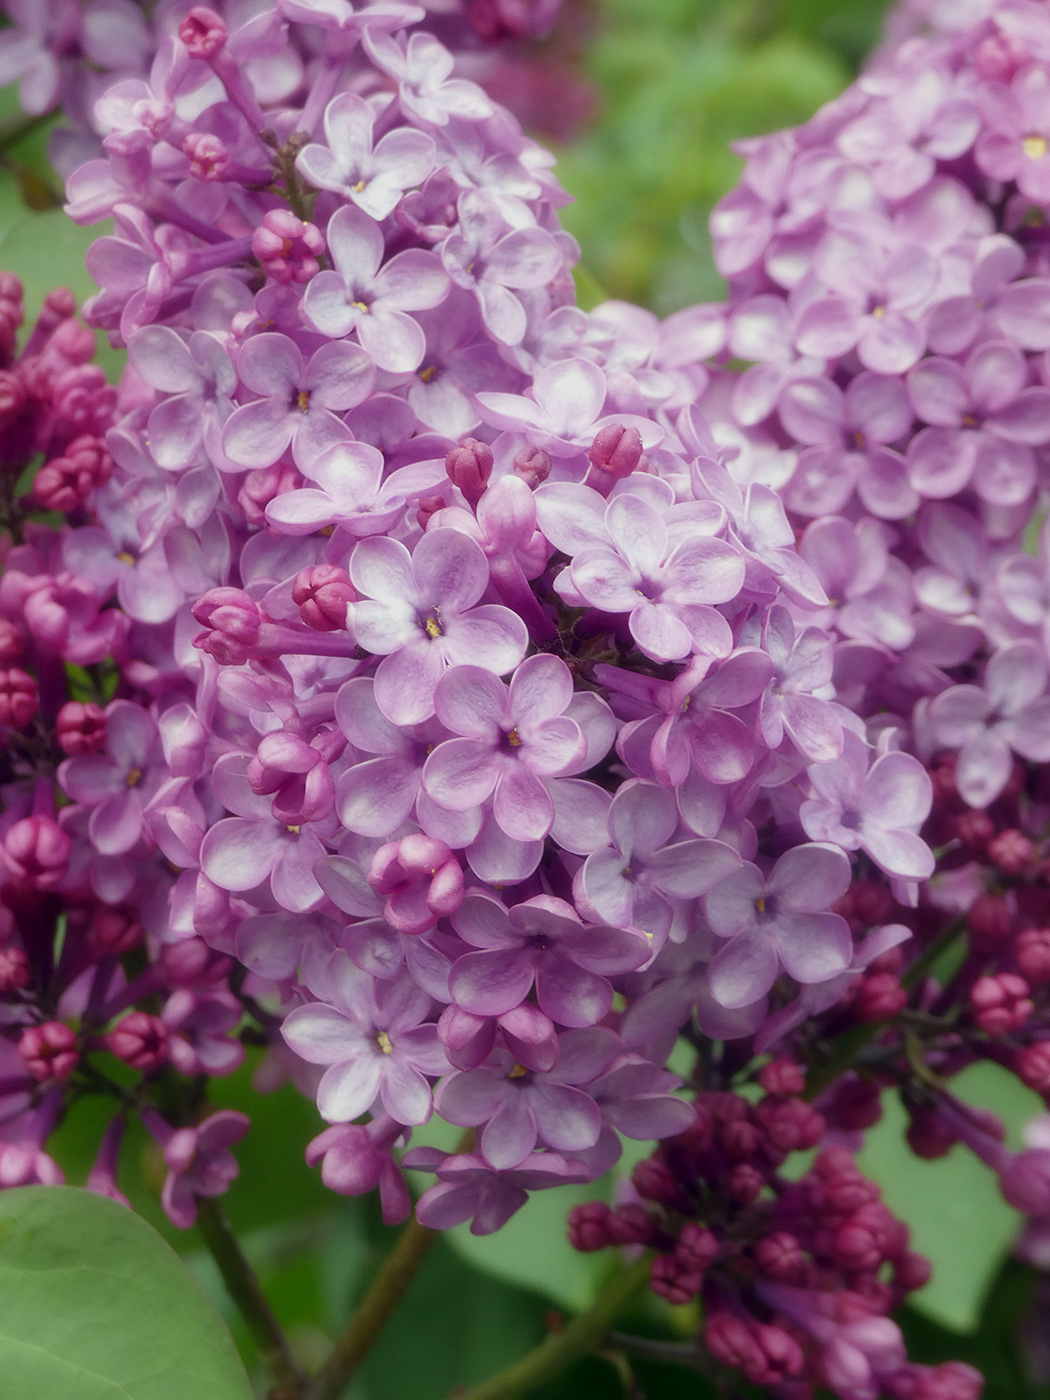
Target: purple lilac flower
{"type": "Point", "coordinates": [374, 176]}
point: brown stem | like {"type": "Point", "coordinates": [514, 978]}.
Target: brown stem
{"type": "Point", "coordinates": [244, 1288]}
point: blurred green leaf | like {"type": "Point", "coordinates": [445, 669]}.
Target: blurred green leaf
{"type": "Point", "coordinates": [957, 1217]}
{"type": "Point", "coordinates": [95, 1306]}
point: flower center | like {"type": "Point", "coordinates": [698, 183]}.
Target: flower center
{"type": "Point", "coordinates": [134, 777]}
{"type": "Point", "coordinates": [361, 306]}
{"type": "Point", "coordinates": [760, 904]}
{"type": "Point", "coordinates": [302, 400]}
{"type": "Point", "coordinates": [879, 312]}
{"type": "Point", "coordinates": [518, 1072]}
{"type": "Point", "coordinates": [428, 374]}
{"type": "Point", "coordinates": [358, 187]}
{"type": "Point", "coordinates": [1035, 147]}
{"type": "Point", "coordinates": [383, 1041]}
{"type": "Point", "coordinates": [432, 627]}
{"type": "Point", "coordinates": [126, 557]}
{"type": "Point", "coordinates": [513, 739]}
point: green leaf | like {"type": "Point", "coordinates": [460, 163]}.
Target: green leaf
{"type": "Point", "coordinates": [95, 1306]}
{"type": "Point", "coordinates": [957, 1217]}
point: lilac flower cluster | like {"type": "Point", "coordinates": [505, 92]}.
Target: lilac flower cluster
{"type": "Point", "coordinates": [467, 697]}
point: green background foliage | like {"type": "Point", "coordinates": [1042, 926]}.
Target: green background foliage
{"type": "Point", "coordinates": [677, 81]}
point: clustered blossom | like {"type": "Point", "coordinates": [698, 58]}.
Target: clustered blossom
{"type": "Point", "coordinates": [468, 696]}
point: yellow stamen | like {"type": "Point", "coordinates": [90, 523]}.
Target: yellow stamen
{"type": "Point", "coordinates": [879, 312]}
{"type": "Point", "coordinates": [518, 1072]}
{"type": "Point", "coordinates": [302, 400]}
{"type": "Point", "coordinates": [428, 374]}
{"type": "Point", "coordinates": [292, 830]}
{"type": "Point", "coordinates": [433, 627]}
{"type": "Point", "coordinates": [383, 1041]}
{"type": "Point", "coordinates": [125, 557]}
{"type": "Point", "coordinates": [358, 187]}
{"type": "Point", "coordinates": [134, 777]}
{"type": "Point", "coordinates": [760, 904]}
{"type": "Point", "coordinates": [360, 305]}
{"type": "Point", "coordinates": [1035, 147]}
{"type": "Point", "coordinates": [513, 740]}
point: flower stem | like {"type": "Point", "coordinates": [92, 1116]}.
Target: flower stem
{"type": "Point", "coordinates": [244, 1288]}
{"type": "Point", "coordinates": [582, 1335]}
{"type": "Point", "coordinates": [413, 1245]}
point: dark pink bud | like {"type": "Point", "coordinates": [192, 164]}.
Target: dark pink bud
{"type": "Point", "coordinates": [791, 1125]}
{"type": "Point", "coordinates": [497, 21]}
{"type": "Point", "coordinates": [929, 1134]}
{"type": "Point", "coordinates": [654, 1181]}
{"type": "Point", "coordinates": [1032, 952]}
{"type": "Point", "coordinates": [264, 485]}
{"type": "Point", "coordinates": [468, 1039]}
{"type": "Point", "coordinates": [975, 829]}
{"type": "Point", "coordinates": [671, 1280]}
{"type": "Point", "coordinates": [37, 853]}
{"type": "Point", "coordinates": [589, 1226]}
{"type": "Point", "coordinates": [66, 482]}
{"type": "Point", "coordinates": [191, 963]}
{"type": "Point", "coordinates": [49, 1051]}
{"type": "Point", "coordinates": [856, 1247]}
{"type": "Point", "coordinates": [287, 247]}
{"type": "Point", "coordinates": [14, 970]}
{"type": "Point", "coordinates": [80, 728]}
{"type": "Point", "coordinates": [140, 1040]}
{"type": "Point", "coordinates": [321, 593]}
{"type": "Point", "coordinates": [745, 1183]}
{"type": "Point", "coordinates": [879, 997]}
{"type": "Point", "coordinates": [203, 32]}
{"type": "Point", "coordinates": [856, 1105]}
{"type": "Point", "coordinates": [233, 621]}
{"type": "Point", "coordinates": [469, 466]}
{"type": "Point", "coordinates": [12, 395]}
{"type": "Point", "coordinates": [616, 450]}
{"type": "Point", "coordinates": [1000, 1004]}
{"type": "Point", "coordinates": [18, 698]}
{"type": "Point", "coordinates": [696, 1248]}
{"type": "Point", "coordinates": [998, 57]}
{"type": "Point", "coordinates": [1011, 851]}
{"type": "Point", "coordinates": [209, 159]}
{"type": "Point", "coordinates": [533, 465]}
{"type": "Point", "coordinates": [630, 1224]}
{"type": "Point", "coordinates": [730, 1340]}
{"type": "Point", "coordinates": [911, 1271]}
{"type": "Point", "coordinates": [739, 1137]}
{"type": "Point", "coordinates": [871, 903]}
{"type": "Point", "coordinates": [779, 1256]}
{"type": "Point", "coordinates": [989, 919]}
{"type": "Point", "coordinates": [1033, 1066]}
{"type": "Point", "coordinates": [782, 1076]}
{"type": "Point", "coordinates": [428, 506]}
{"type": "Point", "coordinates": [1025, 1182]}
{"type": "Point", "coordinates": [11, 646]}
{"type": "Point", "coordinates": [115, 929]}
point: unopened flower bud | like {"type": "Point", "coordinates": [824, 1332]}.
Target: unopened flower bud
{"type": "Point", "coordinates": [321, 594]}
{"type": "Point", "coordinates": [469, 466]}
{"type": "Point", "coordinates": [855, 1105]}
{"type": "Point", "coordinates": [287, 247]}
{"type": "Point", "coordinates": [879, 997]}
{"type": "Point", "coordinates": [18, 698]}
{"type": "Point", "coordinates": [428, 506]}
{"type": "Point", "coordinates": [1033, 1066]}
{"type": "Point", "coordinates": [1011, 851]}
{"type": "Point", "coordinates": [1025, 1182]}
{"type": "Point", "coordinates": [203, 32]}
{"type": "Point", "coordinates": [49, 1051]}
{"type": "Point", "coordinates": [975, 829]}
{"type": "Point", "coordinates": [589, 1226]}
{"type": "Point", "coordinates": [115, 929]}
{"type": "Point", "coordinates": [696, 1248]}
{"type": "Point", "coordinates": [911, 1271]}
{"type": "Point", "coordinates": [36, 852]}
{"type": "Point", "coordinates": [929, 1134]}
{"type": "Point", "coordinates": [208, 156]}
{"type": "Point", "coordinates": [616, 450]}
{"type": "Point", "coordinates": [779, 1256]}
{"type": "Point", "coordinates": [80, 728]}
{"type": "Point", "coordinates": [11, 645]}
{"type": "Point", "coordinates": [745, 1183]}
{"type": "Point", "coordinates": [14, 970]}
{"type": "Point", "coordinates": [533, 465]}
{"type": "Point", "coordinates": [988, 919]}
{"type": "Point", "coordinates": [66, 482]}
{"type": "Point", "coordinates": [140, 1040]}
{"type": "Point", "coordinates": [233, 621]}
{"type": "Point", "coordinates": [654, 1181]}
{"type": "Point", "coordinates": [1032, 952]}
{"type": "Point", "coordinates": [782, 1076]}
{"type": "Point", "coordinates": [264, 485]}
{"type": "Point", "coordinates": [630, 1224]}
{"type": "Point", "coordinates": [1000, 1004]}
{"type": "Point", "coordinates": [669, 1277]}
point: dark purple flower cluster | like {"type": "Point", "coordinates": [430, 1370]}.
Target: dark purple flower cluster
{"type": "Point", "coordinates": [796, 1277]}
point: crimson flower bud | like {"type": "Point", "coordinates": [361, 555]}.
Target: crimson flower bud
{"type": "Point", "coordinates": [11, 647]}
{"type": "Point", "coordinates": [1033, 1066]}
{"type": "Point", "coordinates": [988, 919]}
{"type": "Point", "coordinates": [208, 156]}
{"type": "Point", "coordinates": [287, 247]}
{"type": "Point", "coordinates": [791, 1124]}
{"type": "Point", "coordinates": [654, 1181]}
{"type": "Point", "coordinates": [739, 1137]}
{"type": "Point", "coordinates": [66, 482]}
{"type": "Point", "coordinates": [533, 465]}
{"type": "Point", "coordinates": [782, 1076]}
{"type": "Point", "coordinates": [264, 485]}
{"type": "Point", "coordinates": [321, 594]}
{"type": "Point", "coordinates": [911, 1271]}
{"type": "Point", "coordinates": [428, 506]}
{"type": "Point", "coordinates": [1032, 952]}
{"type": "Point", "coordinates": [14, 970]}
{"type": "Point", "coordinates": [1011, 851]}
{"type": "Point", "coordinates": [671, 1280]}
{"type": "Point", "coordinates": [929, 1135]}
{"type": "Point", "coordinates": [49, 1051]}
{"type": "Point", "coordinates": [18, 698]}
{"type": "Point", "coordinates": [616, 450]}
{"type": "Point", "coordinates": [37, 850]}
{"type": "Point", "coordinates": [203, 32]}
{"type": "Point", "coordinates": [233, 620]}
{"type": "Point", "coordinates": [696, 1248]}
{"type": "Point", "coordinates": [589, 1226]}
{"type": "Point", "coordinates": [80, 728]}
{"type": "Point", "coordinates": [975, 829]}
{"type": "Point", "coordinates": [856, 1105]}
{"type": "Point", "coordinates": [745, 1183]}
{"type": "Point", "coordinates": [140, 1040]}
{"type": "Point", "coordinates": [469, 466]}
{"type": "Point", "coordinates": [115, 929]}
{"type": "Point", "coordinates": [779, 1256]}
{"type": "Point", "coordinates": [1000, 1004]}
{"type": "Point", "coordinates": [879, 997]}
{"type": "Point", "coordinates": [630, 1224]}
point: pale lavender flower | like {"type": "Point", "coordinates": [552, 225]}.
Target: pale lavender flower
{"type": "Point", "coordinates": [374, 176]}
{"type": "Point", "coordinates": [468, 1188]}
